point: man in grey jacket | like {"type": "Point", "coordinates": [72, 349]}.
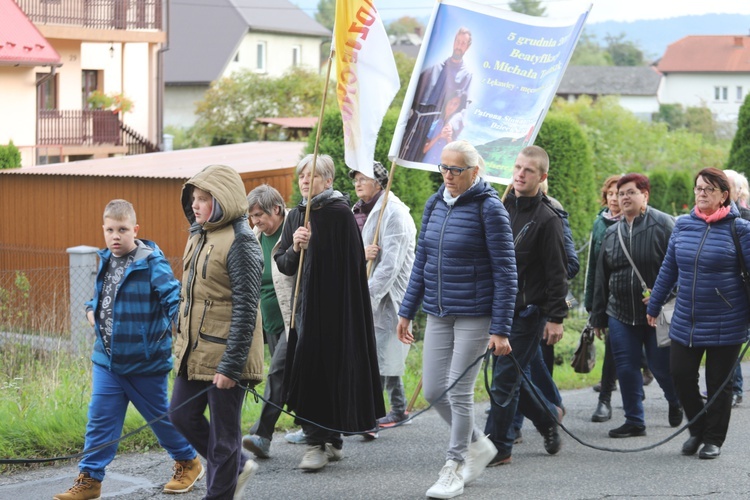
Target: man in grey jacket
{"type": "Point", "coordinates": [267, 214]}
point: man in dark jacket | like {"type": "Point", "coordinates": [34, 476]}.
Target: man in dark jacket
{"type": "Point", "coordinates": [540, 303]}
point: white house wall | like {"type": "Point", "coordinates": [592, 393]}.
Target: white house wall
{"type": "Point", "coordinates": [179, 104]}
{"type": "Point", "coordinates": [697, 89]}
{"type": "Point", "coordinates": [279, 53]}
{"type": "Point", "coordinates": [17, 124]}
{"type": "Point", "coordinates": [641, 106]}
{"type": "Point", "coordinates": [126, 69]}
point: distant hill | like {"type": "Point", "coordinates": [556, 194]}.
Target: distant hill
{"type": "Point", "coordinates": [653, 36]}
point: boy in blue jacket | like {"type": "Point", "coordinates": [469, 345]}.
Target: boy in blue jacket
{"type": "Point", "coordinates": [135, 302]}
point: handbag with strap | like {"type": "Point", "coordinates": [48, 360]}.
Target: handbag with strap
{"type": "Point", "coordinates": [584, 358]}
{"type": "Point", "coordinates": [665, 316]}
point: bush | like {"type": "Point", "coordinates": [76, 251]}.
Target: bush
{"type": "Point", "coordinates": [739, 153]}
{"type": "Point", "coordinates": [660, 197]}
{"type": "Point", "coordinates": [571, 174]}
{"type": "Point", "coordinates": [10, 156]}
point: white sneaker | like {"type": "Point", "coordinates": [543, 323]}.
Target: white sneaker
{"type": "Point", "coordinates": [481, 452]}
{"type": "Point", "coordinates": [248, 470]}
{"type": "Point", "coordinates": [334, 454]}
{"type": "Point", "coordinates": [450, 483]}
{"type": "Point", "coordinates": [315, 458]}
{"type": "Point", "coordinates": [296, 437]}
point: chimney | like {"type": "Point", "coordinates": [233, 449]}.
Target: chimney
{"type": "Point", "coordinates": [418, 31]}
{"type": "Point", "coordinates": [738, 41]}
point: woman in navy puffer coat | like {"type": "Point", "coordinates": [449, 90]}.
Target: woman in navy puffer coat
{"type": "Point", "coordinates": [711, 312]}
{"type": "Point", "coordinates": [464, 276]}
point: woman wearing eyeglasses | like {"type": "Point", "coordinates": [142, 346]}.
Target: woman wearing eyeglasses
{"type": "Point", "coordinates": [620, 297]}
{"type": "Point", "coordinates": [464, 276]}
{"type": "Point", "coordinates": [711, 311]}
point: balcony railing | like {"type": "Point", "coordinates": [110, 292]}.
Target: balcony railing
{"type": "Point", "coordinates": [78, 127]}
{"type": "Point", "coordinates": [98, 14]}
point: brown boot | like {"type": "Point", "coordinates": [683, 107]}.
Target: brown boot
{"type": "Point", "coordinates": [186, 474]}
{"type": "Point", "coordinates": [85, 488]}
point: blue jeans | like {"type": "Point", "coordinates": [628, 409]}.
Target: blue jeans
{"type": "Point", "coordinates": [628, 343]}
{"type": "Point", "coordinates": [525, 334]}
{"type": "Point", "coordinates": [110, 395]}
{"type": "Point", "coordinates": [541, 378]}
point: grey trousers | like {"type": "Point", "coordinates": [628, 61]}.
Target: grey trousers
{"type": "Point", "coordinates": [451, 345]}
{"type": "Point", "coordinates": [394, 387]}
{"type": "Point", "coordinates": [269, 414]}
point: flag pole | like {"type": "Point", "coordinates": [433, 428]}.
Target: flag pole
{"type": "Point", "coordinates": [312, 179]}
{"type": "Point", "coordinates": [380, 215]}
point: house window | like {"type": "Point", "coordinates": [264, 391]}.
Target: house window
{"type": "Point", "coordinates": [721, 93]}
{"type": "Point", "coordinates": [89, 83]}
{"type": "Point", "coordinates": [739, 93]}
{"type": "Point", "coordinates": [261, 56]}
{"type": "Point", "coordinates": [46, 93]}
{"type": "Point", "coordinates": [296, 55]}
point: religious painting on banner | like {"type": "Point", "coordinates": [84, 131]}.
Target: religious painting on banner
{"type": "Point", "coordinates": [484, 75]}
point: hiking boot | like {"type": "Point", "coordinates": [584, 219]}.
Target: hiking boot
{"type": "Point", "coordinates": [296, 437]}
{"type": "Point", "coordinates": [248, 470]}
{"type": "Point", "coordinates": [450, 483]}
{"type": "Point", "coordinates": [602, 413]}
{"type": "Point", "coordinates": [481, 453]}
{"type": "Point", "coordinates": [627, 430]}
{"type": "Point", "coordinates": [259, 446]}
{"type": "Point", "coordinates": [84, 488]}
{"type": "Point", "coordinates": [186, 474]}
{"type": "Point", "coordinates": [394, 418]}
{"type": "Point", "coordinates": [552, 441]}
{"type": "Point", "coordinates": [371, 436]}
{"type": "Point", "coordinates": [502, 458]}
{"type": "Point", "coordinates": [675, 415]}
{"type": "Point", "coordinates": [334, 454]}
{"type": "Point", "coordinates": [315, 458]}
{"type": "Point", "coordinates": [519, 437]}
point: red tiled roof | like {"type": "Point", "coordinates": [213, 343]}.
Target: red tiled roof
{"type": "Point", "coordinates": [293, 122]}
{"type": "Point", "coordinates": [181, 164]}
{"type": "Point", "coordinates": [20, 41]}
{"type": "Point", "coordinates": [719, 53]}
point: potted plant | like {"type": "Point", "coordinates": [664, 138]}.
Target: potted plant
{"type": "Point", "coordinates": [115, 101]}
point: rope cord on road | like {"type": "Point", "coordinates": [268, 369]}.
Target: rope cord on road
{"type": "Point", "coordinates": [18, 461]}
{"type": "Point", "coordinates": [708, 404]}
{"type": "Point", "coordinates": [487, 354]}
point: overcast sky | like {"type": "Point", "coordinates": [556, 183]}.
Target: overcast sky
{"type": "Point", "coordinates": [603, 10]}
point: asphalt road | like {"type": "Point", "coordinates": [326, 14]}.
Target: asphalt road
{"type": "Point", "coordinates": [405, 461]}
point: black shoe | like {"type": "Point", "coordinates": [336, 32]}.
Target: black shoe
{"type": "Point", "coordinates": [709, 451]}
{"type": "Point", "coordinates": [603, 412]}
{"type": "Point", "coordinates": [502, 458]}
{"type": "Point", "coordinates": [736, 400]}
{"type": "Point", "coordinates": [690, 447]}
{"type": "Point", "coordinates": [675, 415]}
{"type": "Point", "coordinates": [552, 441]}
{"type": "Point", "coordinates": [597, 387]}
{"type": "Point", "coordinates": [519, 437]}
{"type": "Point", "coordinates": [627, 430]}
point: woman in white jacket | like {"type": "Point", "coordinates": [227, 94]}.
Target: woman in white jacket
{"type": "Point", "coordinates": [392, 259]}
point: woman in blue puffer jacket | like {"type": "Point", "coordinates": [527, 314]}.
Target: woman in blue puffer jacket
{"type": "Point", "coordinates": [464, 276]}
{"type": "Point", "coordinates": [711, 312]}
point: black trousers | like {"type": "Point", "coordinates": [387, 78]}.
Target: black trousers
{"type": "Point", "coordinates": [684, 364]}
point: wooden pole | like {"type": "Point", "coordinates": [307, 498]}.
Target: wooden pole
{"type": "Point", "coordinates": [312, 177]}
{"type": "Point", "coordinates": [380, 215]}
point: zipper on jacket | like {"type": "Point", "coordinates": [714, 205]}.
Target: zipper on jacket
{"type": "Point", "coordinates": [723, 298]}
{"type": "Point", "coordinates": [632, 272]}
{"type": "Point", "coordinates": [213, 339]}
{"type": "Point", "coordinates": [695, 279]}
{"type": "Point", "coordinates": [206, 307]}
{"type": "Point", "coordinates": [191, 273]}
{"type": "Point", "coordinates": [205, 262]}
{"type": "Point", "coordinates": [440, 262]}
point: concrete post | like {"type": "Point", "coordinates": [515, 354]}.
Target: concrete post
{"type": "Point", "coordinates": [83, 264]}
